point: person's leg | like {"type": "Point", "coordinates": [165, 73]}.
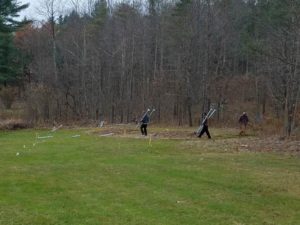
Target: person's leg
{"type": "Point", "coordinates": [207, 132]}
{"type": "Point", "coordinates": [202, 132]}
{"type": "Point", "coordinates": [244, 129]}
{"type": "Point", "coordinates": [241, 129]}
{"type": "Point", "coordinates": [145, 131]}
{"type": "Point", "coordinates": [142, 129]}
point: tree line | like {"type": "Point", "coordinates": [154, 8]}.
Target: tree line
{"type": "Point", "coordinates": [111, 60]}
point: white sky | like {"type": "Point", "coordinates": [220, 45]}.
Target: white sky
{"type": "Point", "coordinates": [33, 13]}
{"type": "Point", "coordinates": [30, 12]}
{"type": "Point", "coordinates": [63, 7]}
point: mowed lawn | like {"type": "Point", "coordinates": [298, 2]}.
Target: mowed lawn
{"type": "Point", "coordinates": [91, 180]}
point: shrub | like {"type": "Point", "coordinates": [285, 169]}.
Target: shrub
{"type": "Point", "coordinates": [8, 96]}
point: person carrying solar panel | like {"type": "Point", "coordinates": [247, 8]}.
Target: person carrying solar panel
{"type": "Point", "coordinates": [144, 123]}
{"type": "Point", "coordinates": [243, 121]}
{"type": "Point", "coordinates": [205, 127]}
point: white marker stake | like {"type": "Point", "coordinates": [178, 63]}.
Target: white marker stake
{"type": "Point", "coordinates": [150, 140]}
{"type": "Point", "coordinates": [75, 136]}
{"type": "Point", "coordinates": [45, 137]}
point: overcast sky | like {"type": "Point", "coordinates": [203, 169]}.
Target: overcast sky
{"type": "Point", "coordinates": [34, 5]}
{"type": "Point", "coordinates": [63, 6]}
{"type": "Point", "coordinates": [30, 12]}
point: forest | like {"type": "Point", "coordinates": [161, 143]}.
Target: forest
{"type": "Point", "coordinates": [111, 60]}
{"type": "Point", "coordinates": [165, 112]}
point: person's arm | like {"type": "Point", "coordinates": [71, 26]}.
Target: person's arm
{"type": "Point", "coordinates": [240, 120]}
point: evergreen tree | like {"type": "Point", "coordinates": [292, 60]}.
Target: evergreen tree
{"type": "Point", "coordinates": [100, 12]}
{"type": "Point", "coordinates": [9, 67]}
{"type": "Point", "coordinates": [9, 10]}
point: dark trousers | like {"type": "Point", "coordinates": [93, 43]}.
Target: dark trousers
{"type": "Point", "coordinates": [144, 129]}
{"type": "Point", "coordinates": [204, 130]}
{"type": "Point", "coordinates": [243, 127]}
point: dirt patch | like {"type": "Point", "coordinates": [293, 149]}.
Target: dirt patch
{"type": "Point", "coordinates": [134, 132]}
{"type": "Point", "coordinates": [270, 144]}
{"type": "Point", "coordinates": [13, 124]}
{"type": "Point", "coordinates": [251, 144]}
{"type": "Point", "coordinates": [224, 139]}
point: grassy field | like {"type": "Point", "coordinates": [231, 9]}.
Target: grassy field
{"type": "Point", "coordinates": [91, 180]}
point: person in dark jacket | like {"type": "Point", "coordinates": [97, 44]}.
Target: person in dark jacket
{"type": "Point", "coordinates": [144, 124]}
{"type": "Point", "coordinates": [243, 121]}
{"type": "Point", "coordinates": [205, 127]}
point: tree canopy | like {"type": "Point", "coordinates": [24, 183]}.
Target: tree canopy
{"type": "Point", "coordinates": [181, 56]}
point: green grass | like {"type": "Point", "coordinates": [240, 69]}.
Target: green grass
{"type": "Point", "coordinates": [91, 180]}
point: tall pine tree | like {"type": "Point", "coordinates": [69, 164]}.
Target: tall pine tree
{"type": "Point", "coordinates": [9, 68]}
